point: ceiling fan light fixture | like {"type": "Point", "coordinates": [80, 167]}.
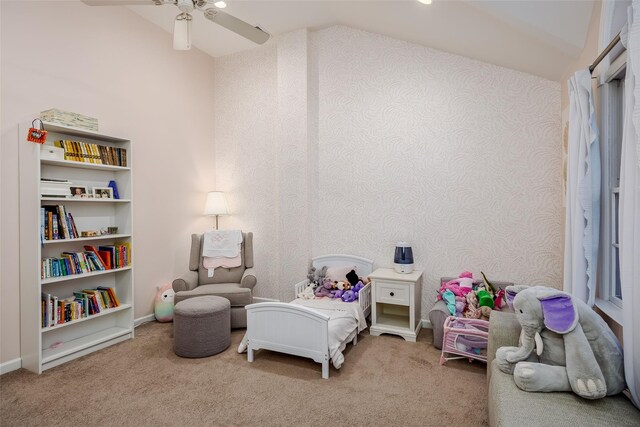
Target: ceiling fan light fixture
{"type": "Point", "coordinates": [220, 4]}
{"type": "Point", "coordinates": [182, 32]}
{"type": "Point", "coordinates": [425, 1]}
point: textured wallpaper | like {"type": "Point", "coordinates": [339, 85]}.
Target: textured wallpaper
{"type": "Point", "coordinates": [458, 157]}
{"type": "Point", "coordinates": [245, 129]}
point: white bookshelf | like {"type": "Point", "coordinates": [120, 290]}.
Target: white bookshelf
{"type": "Point", "coordinates": [46, 347]}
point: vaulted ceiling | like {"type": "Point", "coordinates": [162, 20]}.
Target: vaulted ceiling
{"type": "Point", "coordinates": [535, 36]}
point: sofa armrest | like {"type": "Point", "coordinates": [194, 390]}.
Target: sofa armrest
{"type": "Point", "coordinates": [248, 279]}
{"type": "Point", "coordinates": [186, 282]}
{"type": "Point", "coordinates": [504, 330]}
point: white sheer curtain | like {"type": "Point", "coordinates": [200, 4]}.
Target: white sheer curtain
{"type": "Point", "coordinates": [629, 213]}
{"type": "Point", "coordinates": [582, 226]}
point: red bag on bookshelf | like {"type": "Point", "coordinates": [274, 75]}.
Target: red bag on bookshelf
{"type": "Point", "coordinates": [37, 135]}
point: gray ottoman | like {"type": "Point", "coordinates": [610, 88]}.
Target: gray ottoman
{"type": "Point", "coordinates": [201, 326]}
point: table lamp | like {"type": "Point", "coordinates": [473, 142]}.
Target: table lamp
{"type": "Point", "coordinates": [216, 205]}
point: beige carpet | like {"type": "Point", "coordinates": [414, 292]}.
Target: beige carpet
{"type": "Point", "coordinates": [385, 381]}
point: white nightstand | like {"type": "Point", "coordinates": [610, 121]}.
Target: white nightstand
{"type": "Point", "coordinates": [395, 303]}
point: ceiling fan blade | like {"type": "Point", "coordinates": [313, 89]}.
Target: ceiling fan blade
{"type": "Point", "coordinates": [126, 2]}
{"type": "Point", "coordinates": [236, 25]}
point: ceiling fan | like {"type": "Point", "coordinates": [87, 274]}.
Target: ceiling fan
{"type": "Point", "coordinates": [182, 26]}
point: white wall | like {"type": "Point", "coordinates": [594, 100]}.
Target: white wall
{"type": "Point", "coordinates": [111, 64]}
{"type": "Point", "coordinates": [459, 157]}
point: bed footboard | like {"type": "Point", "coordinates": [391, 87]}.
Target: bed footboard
{"type": "Point", "coordinates": [288, 328]}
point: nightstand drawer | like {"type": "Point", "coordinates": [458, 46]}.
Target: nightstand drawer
{"type": "Point", "coordinates": [392, 293]}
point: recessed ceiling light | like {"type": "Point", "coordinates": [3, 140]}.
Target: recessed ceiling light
{"type": "Point", "coordinates": [222, 5]}
{"type": "Point", "coordinates": [425, 1]}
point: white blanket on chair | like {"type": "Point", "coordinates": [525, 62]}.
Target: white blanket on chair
{"type": "Point", "coordinates": [221, 243]}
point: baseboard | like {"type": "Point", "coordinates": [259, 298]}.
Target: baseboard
{"type": "Point", "coordinates": [144, 319]}
{"type": "Point", "coordinates": [258, 299]}
{"type": "Point", "coordinates": [10, 365]}
{"type": "Point", "coordinates": [427, 324]}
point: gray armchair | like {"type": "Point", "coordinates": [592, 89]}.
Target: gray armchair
{"type": "Point", "coordinates": [235, 284]}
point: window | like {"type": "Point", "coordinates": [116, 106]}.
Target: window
{"type": "Point", "coordinates": [612, 97]}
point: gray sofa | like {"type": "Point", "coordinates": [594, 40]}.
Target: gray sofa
{"type": "Point", "coordinates": [510, 406]}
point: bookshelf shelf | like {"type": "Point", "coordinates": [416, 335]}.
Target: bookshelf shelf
{"type": "Point", "coordinates": [82, 165]}
{"type": "Point", "coordinates": [95, 316]}
{"type": "Point", "coordinates": [83, 200]}
{"type": "Point", "coordinates": [83, 133]}
{"type": "Point", "coordinates": [88, 239]}
{"type": "Point", "coordinates": [45, 347]}
{"type": "Point", "coordinates": [83, 275]}
{"type": "Point", "coordinates": [72, 346]}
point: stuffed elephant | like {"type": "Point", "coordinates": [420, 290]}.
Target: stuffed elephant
{"type": "Point", "coordinates": [575, 349]}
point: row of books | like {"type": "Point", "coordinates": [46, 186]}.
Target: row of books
{"type": "Point", "coordinates": [92, 259]}
{"type": "Point", "coordinates": [56, 224]}
{"type": "Point", "coordinates": [85, 303]}
{"type": "Point", "coordinates": [79, 151]}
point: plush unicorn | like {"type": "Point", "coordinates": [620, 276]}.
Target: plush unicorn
{"type": "Point", "coordinates": [163, 305]}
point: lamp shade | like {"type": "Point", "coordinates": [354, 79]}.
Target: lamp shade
{"type": "Point", "coordinates": [216, 204]}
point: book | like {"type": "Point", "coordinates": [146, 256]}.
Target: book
{"type": "Point", "coordinates": [73, 225]}
{"type": "Point", "coordinates": [46, 310]}
{"type": "Point", "coordinates": [42, 225]}
{"type": "Point", "coordinates": [106, 257]}
{"type": "Point", "coordinates": [49, 225]}
{"type": "Point", "coordinates": [54, 223]}
{"type": "Point", "coordinates": [102, 261]}
{"type": "Point", "coordinates": [112, 294]}
{"type": "Point", "coordinates": [113, 262]}
{"type": "Point", "coordinates": [56, 315]}
{"type": "Point", "coordinates": [63, 222]}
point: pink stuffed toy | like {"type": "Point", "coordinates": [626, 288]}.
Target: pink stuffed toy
{"type": "Point", "coordinates": [460, 286]}
{"type": "Point", "coordinates": [163, 304]}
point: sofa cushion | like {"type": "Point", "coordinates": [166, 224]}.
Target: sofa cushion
{"type": "Point", "coordinates": [237, 296]}
{"type": "Point", "coordinates": [510, 406]}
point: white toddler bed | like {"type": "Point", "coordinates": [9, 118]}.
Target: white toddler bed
{"type": "Point", "coordinates": [318, 329]}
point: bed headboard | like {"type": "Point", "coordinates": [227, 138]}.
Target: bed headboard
{"type": "Point", "coordinates": [365, 266]}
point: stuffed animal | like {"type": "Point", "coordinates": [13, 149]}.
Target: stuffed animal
{"type": "Point", "coordinates": [358, 286]}
{"type": "Point", "coordinates": [450, 299]}
{"type": "Point", "coordinates": [460, 305]}
{"type": "Point", "coordinates": [473, 310]}
{"type": "Point", "coordinates": [484, 299]}
{"type": "Point", "coordinates": [485, 312]}
{"type": "Point", "coordinates": [311, 275]}
{"type": "Point", "coordinates": [574, 348]}
{"type": "Point", "coordinates": [342, 286]}
{"type": "Point", "coordinates": [349, 296]}
{"type": "Point", "coordinates": [498, 302]}
{"type": "Point", "coordinates": [307, 293]}
{"type": "Point", "coordinates": [163, 304]}
{"type": "Point", "coordinates": [352, 277]}
{"type": "Point", "coordinates": [489, 285]}
{"type": "Point", "coordinates": [462, 285]}
{"type": "Point", "coordinates": [324, 290]}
